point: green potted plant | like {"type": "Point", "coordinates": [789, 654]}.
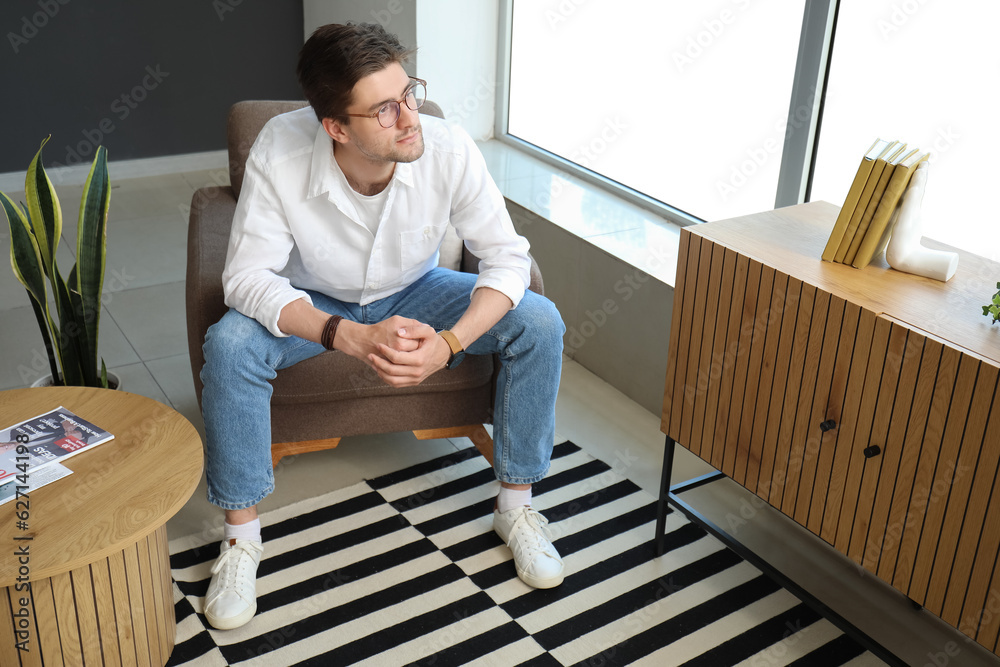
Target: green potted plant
{"type": "Point", "coordinates": [993, 310]}
{"type": "Point", "coordinates": [70, 320]}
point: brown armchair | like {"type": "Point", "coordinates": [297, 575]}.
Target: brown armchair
{"type": "Point", "coordinates": [321, 400]}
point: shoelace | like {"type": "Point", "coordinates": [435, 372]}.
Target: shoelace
{"type": "Point", "coordinates": [231, 565]}
{"type": "Point", "coordinates": [530, 540]}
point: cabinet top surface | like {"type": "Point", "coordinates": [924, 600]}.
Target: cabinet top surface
{"type": "Point", "coordinates": [791, 240]}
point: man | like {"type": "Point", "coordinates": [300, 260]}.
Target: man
{"type": "Point", "coordinates": [335, 246]}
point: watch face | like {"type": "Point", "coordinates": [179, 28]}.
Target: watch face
{"type": "Point", "coordinates": [455, 360]}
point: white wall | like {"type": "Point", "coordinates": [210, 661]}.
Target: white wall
{"type": "Point", "coordinates": [457, 48]}
{"type": "Point", "coordinates": [458, 58]}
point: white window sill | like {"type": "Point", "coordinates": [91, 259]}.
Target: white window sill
{"type": "Point", "coordinates": [620, 228]}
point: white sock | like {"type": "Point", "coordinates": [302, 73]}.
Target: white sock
{"type": "Point", "coordinates": [249, 531]}
{"type": "Point", "coordinates": [508, 499]}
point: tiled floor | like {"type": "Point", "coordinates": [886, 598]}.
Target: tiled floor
{"type": "Point", "coordinates": [144, 341]}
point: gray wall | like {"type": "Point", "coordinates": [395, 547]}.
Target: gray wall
{"type": "Point", "coordinates": [143, 79]}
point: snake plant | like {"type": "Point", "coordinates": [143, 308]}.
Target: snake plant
{"type": "Point", "coordinates": [70, 320]}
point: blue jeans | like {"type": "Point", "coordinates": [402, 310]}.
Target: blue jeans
{"type": "Point", "coordinates": [241, 356]}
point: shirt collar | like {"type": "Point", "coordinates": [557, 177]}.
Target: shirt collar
{"type": "Point", "coordinates": [322, 176]}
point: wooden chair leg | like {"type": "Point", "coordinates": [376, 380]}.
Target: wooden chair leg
{"type": "Point", "coordinates": [477, 433]}
{"type": "Point", "coordinates": [282, 449]}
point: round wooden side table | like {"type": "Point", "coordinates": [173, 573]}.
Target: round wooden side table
{"type": "Point", "coordinates": [96, 540]}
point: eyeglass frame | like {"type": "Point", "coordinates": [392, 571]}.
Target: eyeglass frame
{"type": "Point", "coordinates": [399, 103]}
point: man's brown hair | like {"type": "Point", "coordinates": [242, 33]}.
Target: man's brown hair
{"type": "Point", "coordinates": [337, 56]}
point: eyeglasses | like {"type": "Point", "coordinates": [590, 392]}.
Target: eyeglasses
{"type": "Point", "coordinates": [388, 113]}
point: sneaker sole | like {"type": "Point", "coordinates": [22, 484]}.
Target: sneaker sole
{"type": "Point", "coordinates": [232, 622]}
{"type": "Point", "coordinates": [536, 582]}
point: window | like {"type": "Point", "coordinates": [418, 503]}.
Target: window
{"type": "Point", "coordinates": [684, 102]}
{"type": "Point", "coordinates": [923, 73]}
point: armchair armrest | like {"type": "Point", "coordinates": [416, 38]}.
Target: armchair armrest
{"type": "Point", "coordinates": [470, 264]}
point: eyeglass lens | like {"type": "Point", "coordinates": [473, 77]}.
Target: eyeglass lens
{"type": "Point", "coordinates": [389, 114]}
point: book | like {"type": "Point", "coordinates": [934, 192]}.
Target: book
{"type": "Point", "coordinates": [52, 436]}
{"type": "Point", "coordinates": [898, 155]}
{"type": "Point", "coordinates": [863, 201]}
{"type": "Point", "coordinates": [853, 194]}
{"type": "Point", "coordinates": [879, 226]}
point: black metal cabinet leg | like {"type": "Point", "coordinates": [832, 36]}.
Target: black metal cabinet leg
{"type": "Point", "coordinates": [661, 503]}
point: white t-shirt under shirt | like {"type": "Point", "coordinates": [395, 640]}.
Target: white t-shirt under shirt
{"type": "Point", "coordinates": [369, 207]}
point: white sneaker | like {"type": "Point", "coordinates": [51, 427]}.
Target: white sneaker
{"type": "Point", "coordinates": [524, 530]}
{"type": "Point", "coordinates": [231, 600]}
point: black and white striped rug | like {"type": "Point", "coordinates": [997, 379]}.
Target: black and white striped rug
{"type": "Point", "coordinates": [406, 570]}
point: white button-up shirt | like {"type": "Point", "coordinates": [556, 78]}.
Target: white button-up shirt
{"type": "Point", "coordinates": [297, 228]}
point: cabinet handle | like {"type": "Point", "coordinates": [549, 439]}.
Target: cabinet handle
{"type": "Point", "coordinates": [828, 425]}
{"type": "Point", "coordinates": [872, 451]}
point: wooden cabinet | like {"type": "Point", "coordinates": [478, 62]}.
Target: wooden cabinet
{"type": "Point", "coordinates": [860, 403]}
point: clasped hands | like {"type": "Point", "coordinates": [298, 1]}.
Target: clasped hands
{"type": "Point", "coordinates": [403, 351]}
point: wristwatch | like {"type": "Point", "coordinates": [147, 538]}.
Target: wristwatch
{"type": "Point", "coordinates": [457, 351]}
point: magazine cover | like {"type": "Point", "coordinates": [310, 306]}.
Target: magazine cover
{"type": "Point", "coordinates": [53, 436]}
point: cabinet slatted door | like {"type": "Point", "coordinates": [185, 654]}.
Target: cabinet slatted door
{"type": "Point", "coordinates": [858, 424]}
{"type": "Point", "coordinates": [769, 352]}
{"type": "Point", "coordinates": [815, 382]}
{"type": "Point", "coordinates": [702, 384]}
{"type": "Point", "coordinates": [846, 424]}
{"type": "Point", "coordinates": [780, 363]}
{"type": "Point", "coordinates": [869, 539]}
{"type": "Point", "coordinates": [958, 415]}
{"type": "Point", "coordinates": [911, 452]}
{"type": "Point", "coordinates": [817, 458]}
{"type": "Point", "coordinates": [881, 464]}
{"type": "Point", "coordinates": [980, 540]}
{"type": "Point", "coordinates": [973, 483]}
{"type": "Point", "coordinates": [923, 480]}
{"type": "Point", "coordinates": [947, 557]}
{"type": "Point", "coordinates": [735, 460]}
{"type": "Point", "coordinates": [782, 473]}
{"type": "Point", "coordinates": [752, 392]}
{"type": "Point", "coordinates": [719, 390]}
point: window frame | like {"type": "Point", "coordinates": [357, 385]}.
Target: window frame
{"type": "Point", "coordinates": [805, 110]}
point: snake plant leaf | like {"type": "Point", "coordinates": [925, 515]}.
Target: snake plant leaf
{"type": "Point", "coordinates": [26, 261]}
{"type": "Point", "coordinates": [91, 241]}
{"type": "Point", "coordinates": [88, 370]}
{"type": "Point", "coordinates": [44, 210]}
{"type": "Point", "coordinates": [69, 335]}
{"type": "Point", "coordinates": [25, 257]}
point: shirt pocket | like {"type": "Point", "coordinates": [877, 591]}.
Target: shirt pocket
{"type": "Point", "coordinates": [419, 246]}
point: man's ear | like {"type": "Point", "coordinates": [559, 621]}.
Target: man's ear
{"type": "Point", "coordinates": [335, 129]}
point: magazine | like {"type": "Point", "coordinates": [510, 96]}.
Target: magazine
{"type": "Point", "coordinates": [53, 436]}
{"type": "Point", "coordinates": [36, 480]}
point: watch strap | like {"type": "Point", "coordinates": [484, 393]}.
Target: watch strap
{"type": "Point", "coordinates": [453, 343]}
